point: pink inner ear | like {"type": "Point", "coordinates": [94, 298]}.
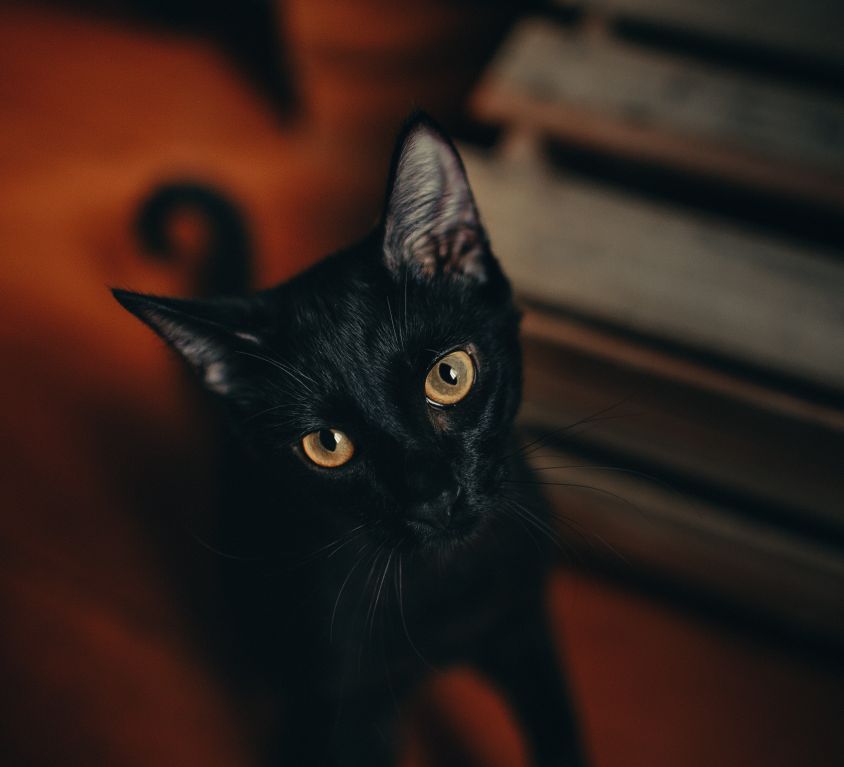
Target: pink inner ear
{"type": "Point", "coordinates": [458, 252]}
{"type": "Point", "coordinates": [432, 224]}
{"type": "Point", "coordinates": [463, 253]}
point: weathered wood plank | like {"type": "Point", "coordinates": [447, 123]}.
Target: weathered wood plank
{"type": "Point", "coordinates": [678, 275]}
{"type": "Point", "coordinates": [555, 64]}
{"type": "Point", "coordinates": [672, 418]}
{"type": "Point", "coordinates": [683, 371]}
{"type": "Point", "coordinates": [689, 543]}
{"type": "Point", "coordinates": [812, 29]}
{"type": "Point", "coordinates": [595, 90]}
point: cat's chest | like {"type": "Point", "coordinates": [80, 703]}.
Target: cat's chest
{"type": "Point", "coordinates": [369, 620]}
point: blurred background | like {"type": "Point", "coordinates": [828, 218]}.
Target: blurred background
{"type": "Point", "coordinates": [664, 182]}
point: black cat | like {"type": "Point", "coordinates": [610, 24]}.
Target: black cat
{"type": "Point", "coordinates": [376, 394]}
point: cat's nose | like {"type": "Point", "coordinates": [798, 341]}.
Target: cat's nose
{"type": "Point", "coordinates": [436, 511]}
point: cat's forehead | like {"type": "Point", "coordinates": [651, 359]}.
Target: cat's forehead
{"type": "Point", "coordinates": [376, 318]}
{"type": "Point", "coordinates": [362, 336]}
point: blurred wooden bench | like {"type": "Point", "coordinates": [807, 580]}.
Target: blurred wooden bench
{"type": "Point", "coordinates": [709, 329]}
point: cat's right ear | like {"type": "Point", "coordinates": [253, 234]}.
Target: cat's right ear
{"type": "Point", "coordinates": [431, 223]}
{"type": "Point", "coordinates": [212, 335]}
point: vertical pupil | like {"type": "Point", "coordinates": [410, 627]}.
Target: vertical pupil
{"type": "Point", "coordinates": [328, 440]}
{"type": "Point", "coordinates": [448, 374]}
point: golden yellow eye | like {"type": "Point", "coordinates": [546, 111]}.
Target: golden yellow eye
{"type": "Point", "coordinates": [450, 378]}
{"type": "Point", "coordinates": [328, 447]}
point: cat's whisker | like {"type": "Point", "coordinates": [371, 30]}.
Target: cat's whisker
{"type": "Point", "coordinates": [380, 588]}
{"type": "Point", "coordinates": [528, 516]}
{"type": "Point", "coordinates": [399, 343]}
{"type": "Point", "coordinates": [354, 567]}
{"type": "Point", "coordinates": [579, 486]}
{"type": "Point", "coordinates": [219, 552]}
{"type": "Point", "coordinates": [294, 415]}
{"type": "Point", "coordinates": [293, 372]}
{"type": "Point", "coordinates": [584, 533]}
{"type": "Point", "coordinates": [376, 558]}
{"type": "Point", "coordinates": [284, 405]}
{"type": "Point", "coordinates": [612, 549]}
{"type": "Point", "coordinates": [402, 615]}
{"type": "Point", "coordinates": [552, 533]}
{"type": "Point", "coordinates": [596, 417]}
{"type": "Point", "coordinates": [510, 511]}
{"type": "Point", "coordinates": [339, 542]}
{"type": "Point", "coordinates": [337, 549]}
{"type": "Point", "coordinates": [581, 427]}
{"type": "Point", "coordinates": [619, 469]}
{"type": "Point", "coordinates": [293, 393]}
{"type": "Point", "coordinates": [406, 326]}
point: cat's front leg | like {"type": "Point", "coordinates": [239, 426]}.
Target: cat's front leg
{"type": "Point", "coordinates": [522, 664]}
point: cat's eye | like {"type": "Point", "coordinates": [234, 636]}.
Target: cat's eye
{"type": "Point", "coordinates": [328, 447]}
{"type": "Point", "coordinates": [450, 379]}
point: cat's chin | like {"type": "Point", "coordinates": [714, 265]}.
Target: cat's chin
{"type": "Point", "coordinates": [443, 540]}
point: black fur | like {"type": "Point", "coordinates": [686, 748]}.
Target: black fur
{"type": "Point", "coordinates": [365, 598]}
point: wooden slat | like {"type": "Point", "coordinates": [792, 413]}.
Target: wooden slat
{"type": "Point", "coordinates": [673, 274]}
{"type": "Point", "coordinates": [594, 90]}
{"type": "Point", "coordinates": [672, 418]}
{"type": "Point", "coordinates": [687, 542]}
{"type": "Point", "coordinates": [540, 325]}
{"type": "Point", "coordinates": [813, 28]}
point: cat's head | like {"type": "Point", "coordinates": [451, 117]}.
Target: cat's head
{"type": "Point", "coordinates": [380, 386]}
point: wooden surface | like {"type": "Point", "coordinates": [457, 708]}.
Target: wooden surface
{"type": "Point", "coordinates": [595, 90]}
{"type": "Point", "coordinates": [783, 459]}
{"type": "Point", "coordinates": [667, 689]}
{"type": "Point", "coordinates": [812, 29]}
{"type": "Point", "coordinates": [623, 81]}
{"type": "Point", "coordinates": [675, 274]}
{"type": "Point", "coordinates": [633, 522]}
{"type": "Point", "coordinates": [689, 486]}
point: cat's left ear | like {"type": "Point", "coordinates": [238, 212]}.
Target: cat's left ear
{"type": "Point", "coordinates": [431, 223]}
{"type": "Point", "coordinates": [212, 335]}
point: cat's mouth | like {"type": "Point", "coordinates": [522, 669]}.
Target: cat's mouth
{"type": "Point", "coordinates": [458, 525]}
{"type": "Point", "coordinates": [453, 531]}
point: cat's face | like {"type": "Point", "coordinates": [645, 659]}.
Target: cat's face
{"type": "Point", "coordinates": [380, 386]}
